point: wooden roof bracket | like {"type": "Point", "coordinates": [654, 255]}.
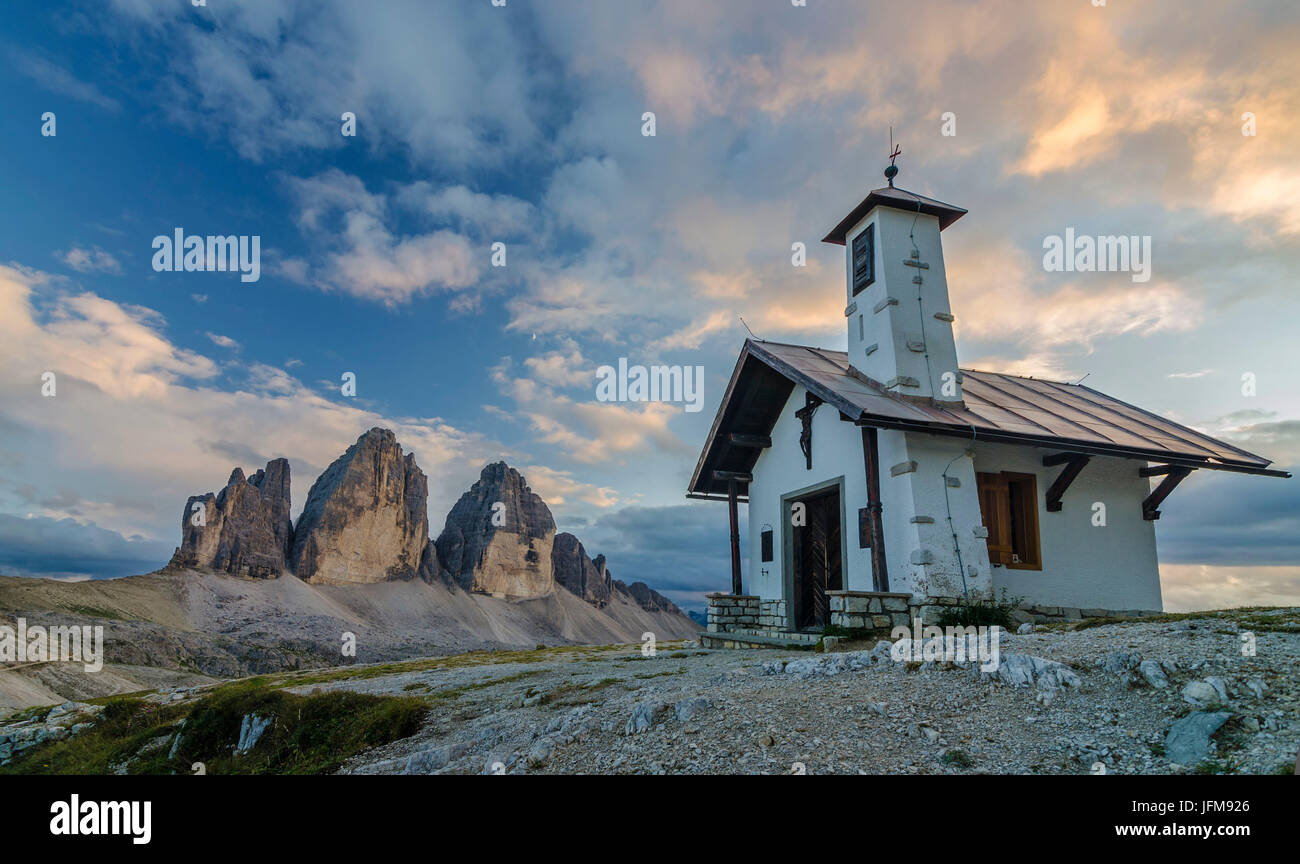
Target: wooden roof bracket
{"type": "Point", "coordinates": [1174, 475]}
{"type": "Point", "coordinates": [1074, 463]}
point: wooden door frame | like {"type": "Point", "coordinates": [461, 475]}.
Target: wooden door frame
{"type": "Point", "coordinates": [787, 542]}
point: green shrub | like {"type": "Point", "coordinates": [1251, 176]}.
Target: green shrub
{"type": "Point", "coordinates": [982, 612]}
{"type": "Point", "coordinates": [308, 735]}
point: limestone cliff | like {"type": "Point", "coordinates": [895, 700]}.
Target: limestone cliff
{"type": "Point", "coordinates": [365, 519]}
{"type": "Point", "coordinates": [498, 537]}
{"type": "Point", "coordinates": [578, 573]}
{"type": "Point", "coordinates": [244, 529]}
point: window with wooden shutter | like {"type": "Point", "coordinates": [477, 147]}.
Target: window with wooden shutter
{"type": "Point", "coordinates": [1009, 510]}
{"type": "Point", "coordinates": [864, 259]}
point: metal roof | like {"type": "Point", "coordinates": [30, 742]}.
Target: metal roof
{"type": "Point", "coordinates": [901, 199]}
{"type": "Point", "coordinates": [1006, 408]}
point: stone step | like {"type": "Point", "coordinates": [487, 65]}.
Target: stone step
{"type": "Point", "coordinates": [754, 640]}
{"type": "Point", "coordinates": [790, 636]}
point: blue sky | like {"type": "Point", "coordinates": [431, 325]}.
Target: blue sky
{"type": "Point", "coordinates": [522, 124]}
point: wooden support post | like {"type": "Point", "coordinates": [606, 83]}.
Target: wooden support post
{"type": "Point", "coordinates": [1150, 507]}
{"type": "Point", "coordinates": [735, 537]}
{"type": "Point", "coordinates": [871, 462]}
{"type": "Point", "coordinates": [1074, 463]}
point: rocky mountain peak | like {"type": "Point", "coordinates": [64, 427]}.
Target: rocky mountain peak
{"type": "Point", "coordinates": [578, 573]}
{"type": "Point", "coordinates": [244, 529]}
{"type": "Point", "coordinates": [365, 519]}
{"type": "Point", "coordinates": [498, 537]}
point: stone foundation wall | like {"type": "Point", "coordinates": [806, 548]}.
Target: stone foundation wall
{"type": "Point", "coordinates": [728, 612]}
{"type": "Point", "coordinates": [857, 610]}
{"type": "Point", "coordinates": [872, 610]}
{"type": "Point", "coordinates": [772, 616]}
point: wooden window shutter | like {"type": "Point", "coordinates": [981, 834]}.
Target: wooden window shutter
{"type": "Point", "coordinates": [995, 510]}
{"type": "Point", "coordinates": [1009, 510]}
{"type": "Point", "coordinates": [864, 258]}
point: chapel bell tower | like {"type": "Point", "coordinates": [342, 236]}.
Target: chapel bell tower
{"type": "Point", "coordinates": [898, 315]}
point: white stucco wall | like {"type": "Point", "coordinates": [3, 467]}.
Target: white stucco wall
{"type": "Point", "coordinates": [895, 325]}
{"type": "Point", "coordinates": [1084, 566]}
{"type": "Point", "coordinates": [780, 470]}
{"type": "Point", "coordinates": [932, 498]}
{"type": "Point", "coordinates": [1111, 567]}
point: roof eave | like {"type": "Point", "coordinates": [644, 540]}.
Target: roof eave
{"type": "Point", "coordinates": [1058, 443]}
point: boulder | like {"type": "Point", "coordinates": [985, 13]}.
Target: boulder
{"type": "Point", "coordinates": [645, 715]}
{"type": "Point", "coordinates": [1188, 740]}
{"type": "Point", "coordinates": [365, 519]}
{"type": "Point", "coordinates": [1154, 674]}
{"type": "Point", "coordinates": [244, 529]}
{"type": "Point", "coordinates": [1200, 693]}
{"type": "Point", "coordinates": [251, 729]}
{"type": "Point", "coordinates": [432, 759]}
{"type": "Point", "coordinates": [1022, 669]}
{"type": "Point", "coordinates": [498, 537]}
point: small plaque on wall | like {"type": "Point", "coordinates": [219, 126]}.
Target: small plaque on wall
{"type": "Point", "coordinates": [864, 528]}
{"type": "Point", "coordinates": [766, 540]}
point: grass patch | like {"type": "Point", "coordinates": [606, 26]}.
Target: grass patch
{"type": "Point", "coordinates": [94, 612]}
{"type": "Point", "coordinates": [1260, 619]}
{"type": "Point", "coordinates": [644, 675]}
{"type": "Point", "coordinates": [1213, 766]}
{"type": "Point", "coordinates": [457, 692]}
{"type": "Point", "coordinates": [958, 758]}
{"type": "Point", "coordinates": [308, 734]}
{"type": "Point", "coordinates": [848, 634]}
{"type": "Point", "coordinates": [567, 695]}
{"type": "Point", "coordinates": [431, 664]}
{"type": "Point", "coordinates": [983, 612]}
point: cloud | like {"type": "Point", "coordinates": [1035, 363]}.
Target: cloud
{"type": "Point", "coordinates": [56, 79]}
{"type": "Point", "coordinates": [587, 431]}
{"type": "Point", "coordinates": [70, 550]}
{"type": "Point", "coordinates": [498, 216]}
{"type": "Point", "coordinates": [275, 77]}
{"type": "Point", "coordinates": [563, 368]}
{"type": "Point", "coordinates": [136, 426]}
{"type": "Point", "coordinates": [559, 489]}
{"type": "Point", "coordinates": [680, 550]}
{"type": "Point", "coordinates": [1193, 587]}
{"type": "Point", "coordinates": [363, 256]}
{"type": "Point", "coordinates": [89, 260]}
{"type": "Point", "coordinates": [222, 341]}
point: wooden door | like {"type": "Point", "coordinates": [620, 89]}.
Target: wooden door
{"type": "Point", "coordinates": [818, 564]}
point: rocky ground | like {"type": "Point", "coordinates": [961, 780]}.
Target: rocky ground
{"type": "Point", "coordinates": [692, 711]}
{"type": "Point", "coordinates": [1172, 695]}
